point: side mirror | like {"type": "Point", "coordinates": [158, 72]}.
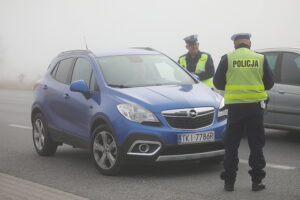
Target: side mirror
{"type": "Point", "coordinates": [80, 86]}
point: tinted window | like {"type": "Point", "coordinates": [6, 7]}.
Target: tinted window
{"type": "Point", "coordinates": [273, 58]}
{"type": "Point", "coordinates": [63, 70]}
{"type": "Point", "coordinates": [290, 72]}
{"type": "Point", "coordinates": [82, 71]}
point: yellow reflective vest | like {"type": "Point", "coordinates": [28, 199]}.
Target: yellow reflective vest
{"type": "Point", "coordinates": [244, 77]}
{"type": "Point", "coordinates": [200, 67]}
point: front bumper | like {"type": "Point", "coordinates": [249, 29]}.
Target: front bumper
{"type": "Point", "coordinates": [191, 156]}
{"type": "Point", "coordinates": [191, 151]}
{"type": "Point", "coordinates": [165, 139]}
{"type": "Point", "coordinates": [169, 152]}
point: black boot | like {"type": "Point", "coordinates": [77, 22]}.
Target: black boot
{"type": "Point", "coordinates": [229, 179]}
{"type": "Point", "coordinates": [256, 177]}
{"type": "Point", "coordinates": [258, 187]}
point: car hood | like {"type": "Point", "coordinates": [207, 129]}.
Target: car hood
{"type": "Point", "coordinates": [159, 98]}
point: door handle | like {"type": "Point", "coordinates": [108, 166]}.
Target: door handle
{"type": "Point", "coordinates": [281, 91]}
{"type": "Point", "coordinates": [66, 96]}
{"type": "Point", "coordinates": [45, 87]}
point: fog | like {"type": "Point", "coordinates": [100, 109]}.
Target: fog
{"type": "Point", "coordinates": [32, 32]}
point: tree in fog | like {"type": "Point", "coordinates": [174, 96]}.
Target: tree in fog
{"type": "Point", "coordinates": [21, 77]}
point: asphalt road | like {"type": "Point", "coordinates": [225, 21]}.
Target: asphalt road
{"type": "Point", "coordinates": [72, 171]}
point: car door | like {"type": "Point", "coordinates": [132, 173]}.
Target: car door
{"type": "Point", "coordinates": [274, 59]}
{"type": "Point", "coordinates": [288, 91]}
{"type": "Point", "coordinates": [78, 108]}
{"type": "Point", "coordinates": [54, 88]}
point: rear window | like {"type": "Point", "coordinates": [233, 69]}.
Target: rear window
{"type": "Point", "coordinates": [290, 72]}
{"type": "Point", "coordinates": [54, 70]}
{"type": "Point", "coordinates": [63, 70]}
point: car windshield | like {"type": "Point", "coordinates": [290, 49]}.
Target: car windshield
{"type": "Point", "coordinates": [142, 70]}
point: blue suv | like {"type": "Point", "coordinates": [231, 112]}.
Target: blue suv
{"type": "Point", "coordinates": [126, 106]}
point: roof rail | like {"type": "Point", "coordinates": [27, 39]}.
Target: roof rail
{"type": "Point", "coordinates": [282, 47]}
{"type": "Point", "coordinates": [151, 49]}
{"type": "Point", "coordinates": [74, 51]}
{"type": "Point", "coordinates": [145, 48]}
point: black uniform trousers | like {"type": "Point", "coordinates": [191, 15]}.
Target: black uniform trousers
{"type": "Point", "coordinates": [244, 118]}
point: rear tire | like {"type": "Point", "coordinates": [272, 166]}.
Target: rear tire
{"type": "Point", "coordinates": [42, 141]}
{"type": "Point", "coordinates": [105, 151]}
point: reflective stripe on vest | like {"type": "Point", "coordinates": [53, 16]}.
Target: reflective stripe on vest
{"type": "Point", "coordinates": [244, 77]}
{"type": "Point", "coordinates": [199, 68]}
{"type": "Point", "coordinates": [182, 61]}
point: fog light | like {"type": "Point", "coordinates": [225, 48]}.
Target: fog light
{"type": "Point", "coordinates": [144, 148]}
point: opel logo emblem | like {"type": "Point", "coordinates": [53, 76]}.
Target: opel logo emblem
{"type": "Point", "coordinates": [193, 113]}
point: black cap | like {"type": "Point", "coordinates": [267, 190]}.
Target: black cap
{"type": "Point", "coordinates": [238, 36]}
{"type": "Point", "coordinates": [191, 39]}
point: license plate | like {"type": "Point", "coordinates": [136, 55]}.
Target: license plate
{"type": "Point", "coordinates": [189, 138]}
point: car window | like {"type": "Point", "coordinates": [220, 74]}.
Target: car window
{"type": "Point", "coordinates": [297, 61]}
{"type": "Point", "coordinates": [290, 73]}
{"type": "Point", "coordinates": [273, 59]}
{"type": "Point", "coordinates": [63, 70]}
{"type": "Point", "coordinates": [165, 71]}
{"type": "Point", "coordinates": [54, 70]}
{"type": "Point", "coordinates": [93, 83]}
{"type": "Point", "coordinates": [142, 70]}
{"type": "Point", "coordinates": [82, 71]}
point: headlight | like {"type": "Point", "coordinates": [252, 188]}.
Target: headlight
{"type": "Point", "coordinates": [136, 113]}
{"type": "Point", "coordinates": [222, 104]}
{"type": "Point", "coordinates": [222, 112]}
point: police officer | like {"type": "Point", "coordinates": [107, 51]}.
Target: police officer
{"type": "Point", "coordinates": [244, 76]}
{"type": "Point", "coordinates": [196, 62]}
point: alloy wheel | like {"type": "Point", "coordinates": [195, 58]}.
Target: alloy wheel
{"type": "Point", "coordinates": [39, 134]}
{"type": "Point", "coordinates": [105, 150]}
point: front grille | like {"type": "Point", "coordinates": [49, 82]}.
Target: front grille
{"type": "Point", "coordinates": [191, 122]}
{"type": "Point", "coordinates": [192, 148]}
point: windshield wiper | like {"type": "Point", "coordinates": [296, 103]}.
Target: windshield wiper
{"type": "Point", "coordinates": [118, 86]}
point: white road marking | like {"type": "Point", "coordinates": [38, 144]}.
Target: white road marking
{"type": "Point", "coordinates": [20, 126]}
{"type": "Point", "coordinates": [284, 167]}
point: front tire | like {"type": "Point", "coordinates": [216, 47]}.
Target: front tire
{"type": "Point", "coordinates": [42, 141]}
{"type": "Point", "coordinates": [105, 151]}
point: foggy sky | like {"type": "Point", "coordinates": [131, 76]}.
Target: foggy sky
{"type": "Point", "coordinates": [32, 32]}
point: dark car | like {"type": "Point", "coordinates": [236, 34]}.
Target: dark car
{"type": "Point", "coordinates": [283, 111]}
